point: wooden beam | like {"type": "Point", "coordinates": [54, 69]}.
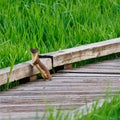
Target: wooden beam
{"type": "Point", "coordinates": [21, 70]}
{"type": "Point", "coordinates": [60, 58]}
{"type": "Point", "coordinates": [85, 52]}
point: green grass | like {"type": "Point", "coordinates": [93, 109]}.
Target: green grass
{"type": "Point", "coordinates": [53, 25]}
{"type": "Point", "coordinates": [109, 111]}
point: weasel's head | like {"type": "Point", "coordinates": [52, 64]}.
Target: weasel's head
{"type": "Point", "coordinates": [34, 52]}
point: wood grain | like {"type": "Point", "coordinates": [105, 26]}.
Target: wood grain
{"type": "Point", "coordinates": [85, 52]}
{"type": "Point", "coordinates": [21, 70]}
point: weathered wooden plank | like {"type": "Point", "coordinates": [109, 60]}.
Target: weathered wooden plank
{"type": "Point", "coordinates": [104, 64]}
{"type": "Point", "coordinates": [72, 86]}
{"type": "Point", "coordinates": [109, 64]}
{"type": "Point", "coordinates": [71, 81]}
{"type": "Point", "coordinates": [64, 100]}
{"type": "Point", "coordinates": [85, 75]}
{"type": "Point", "coordinates": [117, 67]}
{"type": "Point", "coordinates": [82, 92]}
{"type": "Point", "coordinates": [21, 115]}
{"type": "Point", "coordinates": [85, 52]}
{"type": "Point", "coordinates": [58, 79]}
{"type": "Point", "coordinates": [63, 93]}
{"type": "Point", "coordinates": [21, 70]}
{"type": "Point", "coordinates": [92, 70]}
{"type": "Point", "coordinates": [59, 76]}
{"type": "Point", "coordinates": [35, 96]}
{"type": "Point", "coordinates": [38, 107]}
{"type": "Point", "coordinates": [44, 100]}
{"type": "Point", "coordinates": [68, 82]}
{"type": "Point", "coordinates": [57, 99]}
{"type": "Point", "coordinates": [100, 67]}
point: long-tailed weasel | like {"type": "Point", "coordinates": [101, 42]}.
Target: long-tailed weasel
{"type": "Point", "coordinates": [40, 66]}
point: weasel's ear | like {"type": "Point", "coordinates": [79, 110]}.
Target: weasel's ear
{"type": "Point", "coordinates": [34, 50]}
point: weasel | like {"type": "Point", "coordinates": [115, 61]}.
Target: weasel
{"type": "Point", "coordinates": [40, 66]}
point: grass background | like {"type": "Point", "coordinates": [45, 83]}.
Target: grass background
{"type": "Point", "coordinates": [52, 25]}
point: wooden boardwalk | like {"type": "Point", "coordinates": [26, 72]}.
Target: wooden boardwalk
{"type": "Point", "coordinates": [68, 90]}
